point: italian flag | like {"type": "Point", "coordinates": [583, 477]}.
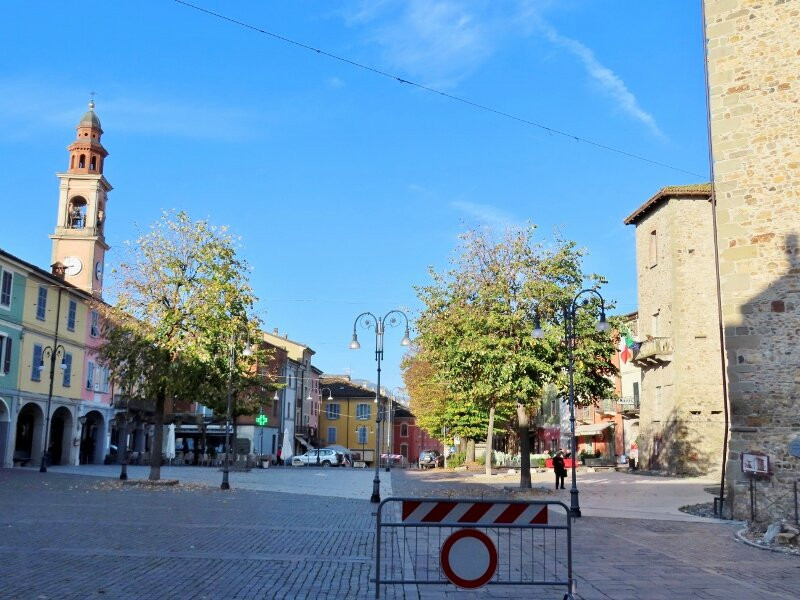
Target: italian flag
{"type": "Point", "coordinates": [626, 347]}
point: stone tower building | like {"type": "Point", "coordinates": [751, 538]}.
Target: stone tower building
{"type": "Point", "coordinates": [681, 420]}
{"type": "Point", "coordinates": [753, 59]}
{"type": "Point", "coordinates": [79, 242]}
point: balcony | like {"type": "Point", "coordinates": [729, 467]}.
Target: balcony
{"type": "Point", "coordinates": [628, 405]}
{"type": "Point", "coordinates": [653, 352]}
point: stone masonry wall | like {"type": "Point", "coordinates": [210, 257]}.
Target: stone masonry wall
{"type": "Point", "coordinates": [698, 419]}
{"type": "Point", "coordinates": [655, 297]}
{"type": "Point", "coordinates": [681, 420]}
{"type": "Point", "coordinates": [754, 65]}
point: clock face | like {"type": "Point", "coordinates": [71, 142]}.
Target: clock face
{"type": "Point", "coordinates": [98, 270]}
{"type": "Point", "coordinates": [73, 265]}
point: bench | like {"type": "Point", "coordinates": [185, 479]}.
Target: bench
{"type": "Point", "coordinates": [21, 458]}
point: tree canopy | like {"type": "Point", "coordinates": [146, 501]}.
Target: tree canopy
{"type": "Point", "coordinates": [184, 309]}
{"type": "Point", "coordinates": [474, 333]}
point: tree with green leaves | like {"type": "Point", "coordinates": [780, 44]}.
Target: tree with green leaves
{"type": "Point", "coordinates": [183, 304]}
{"type": "Point", "coordinates": [476, 325]}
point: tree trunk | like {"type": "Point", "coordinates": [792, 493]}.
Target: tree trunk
{"type": "Point", "coordinates": [524, 447]}
{"type": "Point", "coordinates": [470, 451]}
{"type": "Point", "coordinates": [158, 439]}
{"type": "Point", "coordinates": [489, 435]}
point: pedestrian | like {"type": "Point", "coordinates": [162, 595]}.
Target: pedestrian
{"type": "Point", "coordinates": [559, 469]}
{"type": "Point", "coordinates": [278, 456]}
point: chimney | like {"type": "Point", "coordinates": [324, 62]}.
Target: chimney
{"type": "Point", "coordinates": [286, 336]}
{"type": "Point", "coordinates": [58, 269]}
{"type": "Point", "coordinates": [275, 331]}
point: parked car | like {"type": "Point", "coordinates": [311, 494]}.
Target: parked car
{"type": "Point", "coordinates": [324, 457]}
{"type": "Point", "coordinates": [430, 459]}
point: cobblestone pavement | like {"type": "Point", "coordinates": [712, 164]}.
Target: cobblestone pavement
{"type": "Point", "coordinates": [71, 537]}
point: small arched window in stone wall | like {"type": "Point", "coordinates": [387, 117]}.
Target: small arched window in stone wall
{"type": "Point", "coordinates": [72, 162]}
{"type": "Point", "coordinates": [82, 162]}
{"type": "Point", "coordinates": [76, 216]}
{"type": "Point", "coordinates": [404, 430]}
{"type": "Point", "coordinates": [93, 164]}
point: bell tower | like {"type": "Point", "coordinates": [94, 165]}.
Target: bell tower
{"type": "Point", "coordinates": [78, 241]}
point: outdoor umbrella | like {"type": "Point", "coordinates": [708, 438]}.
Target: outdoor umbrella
{"type": "Point", "coordinates": [286, 451]}
{"type": "Point", "coordinates": [169, 443]}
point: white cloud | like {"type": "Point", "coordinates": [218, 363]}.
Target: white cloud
{"type": "Point", "coordinates": [438, 41]}
{"type": "Point", "coordinates": [608, 81]}
{"type": "Point", "coordinates": [485, 214]}
{"type": "Point", "coordinates": [442, 42]}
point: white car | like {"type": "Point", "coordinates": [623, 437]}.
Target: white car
{"type": "Point", "coordinates": [323, 457]}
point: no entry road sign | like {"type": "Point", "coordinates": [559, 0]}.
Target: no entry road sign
{"type": "Point", "coordinates": [468, 558]}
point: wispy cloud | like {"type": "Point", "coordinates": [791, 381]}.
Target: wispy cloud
{"type": "Point", "coordinates": [439, 41]}
{"type": "Point", "coordinates": [442, 42]}
{"type": "Point", "coordinates": [608, 81]}
{"type": "Point", "coordinates": [32, 107]}
{"type": "Point", "coordinates": [485, 214]}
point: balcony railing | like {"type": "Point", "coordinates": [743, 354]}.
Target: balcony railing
{"type": "Point", "coordinates": [654, 351]}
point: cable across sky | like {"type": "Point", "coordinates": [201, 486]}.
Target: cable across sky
{"type": "Point", "coordinates": [453, 97]}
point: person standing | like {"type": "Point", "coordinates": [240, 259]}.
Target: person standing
{"type": "Point", "coordinates": [560, 469]}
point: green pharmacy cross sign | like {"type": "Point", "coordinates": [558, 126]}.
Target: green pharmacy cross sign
{"type": "Point", "coordinates": [261, 420]}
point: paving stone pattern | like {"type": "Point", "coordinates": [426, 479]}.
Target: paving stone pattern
{"type": "Point", "coordinates": [72, 537]}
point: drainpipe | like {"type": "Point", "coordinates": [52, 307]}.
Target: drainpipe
{"type": "Point", "coordinates": [720, 322]}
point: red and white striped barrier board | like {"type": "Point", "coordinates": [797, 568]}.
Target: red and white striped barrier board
{"type": "Point", "coordinates": [484, 513]}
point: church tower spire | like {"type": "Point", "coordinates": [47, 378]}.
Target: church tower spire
{"type": "Point", "coordinates": [79, 244]}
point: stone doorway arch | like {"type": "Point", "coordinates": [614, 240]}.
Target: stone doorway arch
{"type": "Point", "coordinates": [61, 427]}
{"type": "Point", "coordinates": [29, 433]}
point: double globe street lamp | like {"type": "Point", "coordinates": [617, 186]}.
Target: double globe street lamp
{"type": "Point", "coordinates": [370, 321]}
{"type": "Point", "coordinates": [52, 353]}
{"type": "Point", "coordinates": [570, 337]}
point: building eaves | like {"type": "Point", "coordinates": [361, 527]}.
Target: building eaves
{"type": "Point", "coordinates": [344, 388]}
{"type": "Point", "coordinates": [46, 275]}
{"type": "Point", "coordinates": [281, 342]}
{"type": "Point", "coordinates": [695, 190]}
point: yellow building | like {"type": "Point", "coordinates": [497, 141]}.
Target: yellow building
{"type": "Point", "coordinates": [348, 417]}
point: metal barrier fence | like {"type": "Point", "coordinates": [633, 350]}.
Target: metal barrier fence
{"type": "Point", "coordinates": [473, 542]}
{"type": "Point", "coordinates": [766, 504]}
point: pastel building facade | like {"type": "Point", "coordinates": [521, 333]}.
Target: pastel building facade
{"type": "Point", "coordinates": [47, 326]}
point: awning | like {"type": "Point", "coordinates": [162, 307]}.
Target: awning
{"type": "Point", "coordinates": [592, 429]}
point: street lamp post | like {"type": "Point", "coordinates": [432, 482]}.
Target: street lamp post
{"type": "Point", "coordinates": [122, 424]}
{"type": "Point", "coordinates": [570, 335]}
{"type": "Point", "coordinates": [368, 321]}
{"type": "Point", "coordinates": [228, 417]}
{"type": "Point", "coordinates": [53, 353]}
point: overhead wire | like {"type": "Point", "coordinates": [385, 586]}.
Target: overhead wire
{"type": "Point", "coordinates": [460, 99]}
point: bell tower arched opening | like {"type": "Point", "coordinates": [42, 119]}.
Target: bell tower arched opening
{"type": "Point", "coordinates": [76, 218]}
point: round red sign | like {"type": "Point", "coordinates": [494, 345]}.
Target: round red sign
{"type": "Point", "coordinates": [468, 558]}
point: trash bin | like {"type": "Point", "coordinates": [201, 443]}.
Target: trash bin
{"type": "Point", "coordinates": [632, 464]}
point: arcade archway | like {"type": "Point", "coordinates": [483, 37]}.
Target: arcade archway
{"type": "Point", "coordinates": [30, 429]}
{"type": "Point", "coordinates": [93, 435]}
{"type": "Point", "coordinates": [61, 428]}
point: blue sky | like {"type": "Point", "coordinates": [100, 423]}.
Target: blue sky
{"type": "Point", "coordinates": [343, 185]}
